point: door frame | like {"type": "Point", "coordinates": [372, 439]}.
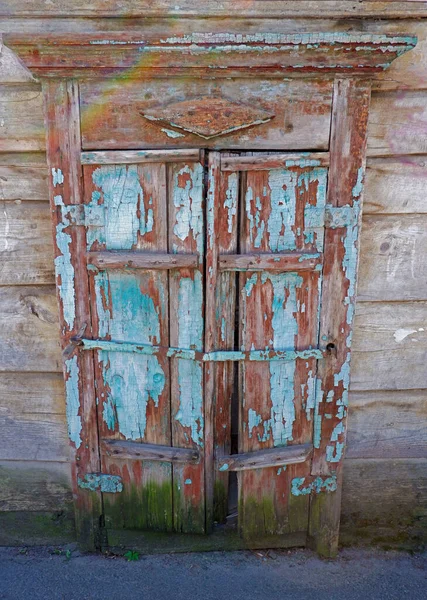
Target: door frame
{"type": "Point", "coordinates": [345, 185]}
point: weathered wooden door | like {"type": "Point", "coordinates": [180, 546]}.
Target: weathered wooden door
{"type": "Point", "coordinates": [167, 390]}
{"type": "Point", "coordinates": [145, 238]}
{"type": "Point", "coordinates": [267, 240]}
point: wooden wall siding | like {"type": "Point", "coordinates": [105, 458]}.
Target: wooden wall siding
{"type": "Point", "coordinates": [211, 8]}
{"type": "Point", "coordinates": [388, 415]}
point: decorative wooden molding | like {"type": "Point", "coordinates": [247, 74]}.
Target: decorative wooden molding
{"type": "Point", "coordinates": [206, 53]}
{"type": "Point", "coordinates": [208, 117]}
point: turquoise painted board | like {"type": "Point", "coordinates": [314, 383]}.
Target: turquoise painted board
{"type": "Point", "coordinates": [127, 211]}
{"type": "Point", "coordinates": [282, 211]}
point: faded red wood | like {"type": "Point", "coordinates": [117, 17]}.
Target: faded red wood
{"type": "Point", "coordinates": [186, 235]}
{"type": "Point", "coordinates": [132, 306]}
{"type": "Point", "coordinates": [62, 121]}
{"type": "Point", "coordinates": [346, 172]}
{"type": "Point", "coordinates": [286, 53]}
{"type": "Point", "coordinates": [292, 261]}
{"type": "Point", "coordinates": [275, 407]}
{"type": "Point", "coordinates": [140, 260]}
{"type": "Point", "coordinates": [222, 222]}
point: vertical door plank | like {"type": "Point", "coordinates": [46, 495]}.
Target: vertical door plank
{"type": "Point", "coordinates": [347, 166]}
{"type": "Point", "coordinates": [63, 157]}
{"type": "Point", "coordinates": [222, 223]}
{"type": "Point", "coordinates": [278, 311]}
{"type": "Point", "coordinates": [186, 235]}
{"type": "Point", "coordinates": [126, 210]}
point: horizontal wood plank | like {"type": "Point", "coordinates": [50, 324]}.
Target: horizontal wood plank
{"type": "Point", "coordinates": [32, 417]}
{"type": "Point", "coordinates": [295, 261]}
{"type": "Point", "coordinates": [35, 486]}
{"type": "Point", "coordinates": [387, 493]}
{"type": "Point", "coordinates": [392, 258]}
{"type": "Point", "coordinates": [141, 260]}
{"type": "Point", "coordinates": [397, 123]}
{"type": "Point", "coordinates": [26, 244]}
{"type": "Point", "coordinates": [29, 336]}
{"type": "Point", "coordinates": [133, 450]}
{"type": "Point", "coordinates": [23, 182]}
{"type": "Point", "coordinates": [387, 424]}
{"type": "Point", "coordinates": [227, 8]}
{"type": "Point", "coordinates": [21, 118]}
{"type": "Point", "coordinates": [389, 346]}
{"type": "Point", "coordinates": [396, 185]}
{"type": "Point", "coordinates": [271, 457]}
{"type": "Point", "coordinates": [274, 161]}
{"type": "Point", "coordinates": [122, 157]}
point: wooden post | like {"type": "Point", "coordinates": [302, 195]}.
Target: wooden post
{"type": "Point", "coordinates": [62, 121]}
{"type": "Point", "coordinates": [345, 185]}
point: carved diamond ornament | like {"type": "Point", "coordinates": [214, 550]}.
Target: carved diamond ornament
{"type": "Point", "coordinates": [208, 117]}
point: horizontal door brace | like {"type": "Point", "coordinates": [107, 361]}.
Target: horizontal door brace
{"type": "Point", "coordinates": [135, 451]}
{"type": "Point", "coordinates": [264, 162]}
{"type": "Point", "coordinates": [113, 259]}
{"type": "Point", "coordinates": [215, 356]}
{"type": "Point", "coordinates": [291, 261]}
{"type": "Point", "coordinates": [272, 457]}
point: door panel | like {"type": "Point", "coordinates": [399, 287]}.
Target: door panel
{"type": "Point", "coordinates": [127, 208]}
{"type": "Point", "coordinates": [281, 211]}
{"type": "Point", "coordinates": [270, 222]}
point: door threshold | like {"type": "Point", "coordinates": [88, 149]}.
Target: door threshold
{"type": "Point", "coordinates": [221, 539]}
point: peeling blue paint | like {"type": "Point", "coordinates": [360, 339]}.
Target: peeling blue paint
{"type": "Point", "coordinates": [299, 487]}
{"type": "Point", "coordinates": [188, 482]}
{"type": "Point", "coordinates": [57, 177]}
{"type": "Point", "coordinates": [230, 202]}
{"type": "Point", "coordinates": [190, 374]}
{"type": "Point", "coordinates": [125, 213]}
{"type": "Point", "coordinates": [224, 467]}
{"type": "Point", "coordinates": [131, 380]}
{"type": "Point", "coordinates": [188, 199]}
{"type": "Point", "coordinates": [64, 269]}
{"type": "Point", "coordinates": [281, 220]}
{"type": "Point", "coordinates": [172, 134]}
{"type": "Point", "coordinates": [94, 482]}
{"type": "Point", "coordinates": [72, 395]}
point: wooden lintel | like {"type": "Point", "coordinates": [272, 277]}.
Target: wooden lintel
{"type": "Point", "coordinates": [135, 451]}
{"type": "Point", "coordinates": [288, 455]}
{"type": "Point", "coordinates": [141, 260]}
{"type": "Point", "coordinates": [274, 161]}
{"type": "Point", "coordinates": [292, 261]}
{"type": "Point", "coordinates": [126, 157]}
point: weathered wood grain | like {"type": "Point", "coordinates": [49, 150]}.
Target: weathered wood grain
{"type": "Point", "coordinates": [21, 119]}
{"type": "Point", "coordinates": [23, 182]}
{"type": "Point", "coordinates": [293, 261]}
{"type": "Point", "coordinates": [392, 261]}
{"type": "Point", "coordinates": [35, 486]}
{"type": "Point", "coordinates": [111, 117]}
{"type": "Point", "coordinates": [272, 457]}
{"type": "Point", "coordinates": [387, 424]}
{"type": "Point", "coordinates": [397, 123]}
{"type": "Point", "coordinates": [29, 339]}
{"type": "Point", "coordinates": [395, 185]}
{"type": "Point", "coordinates": [12, 69]}
{"type": "Point", "coordinates": [140, 260]}
{"type": "Point", "coordinates": [133, 391]}
{"type": "Point", "coordinates": [274, 161]}
{"type": "Point", "coordinates": [63, 146]}
{"type": "Point", "coordinates": [26, 249]}
{"type": "Point", "coordinates": [384, 493]}
{"type": "Point", "coordinates": [345, 187]}
{"type": "Point", "coordinates": [186, 235]}
{"type": "Point", "coordinates": [158, 8]}
{"type": "Point", "coordinates": [389, 346]}
{"type": "Point", "coordinates": [32, 417]}
{"type": "Point", "coordinates": [152, 452]}
{"type": "Point", "coordinates": [122, 157]}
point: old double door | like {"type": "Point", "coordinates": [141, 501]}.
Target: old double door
{"type": "Point", "coordinates": [205, 275]}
